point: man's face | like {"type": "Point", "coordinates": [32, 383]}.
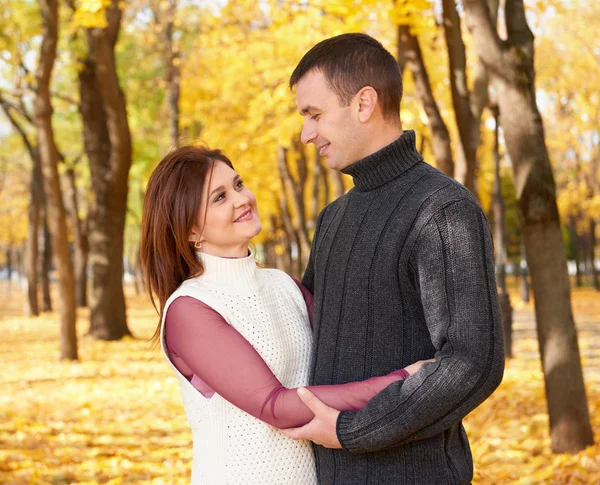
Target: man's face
{"type": "Point", "coordinates": [333, 128]}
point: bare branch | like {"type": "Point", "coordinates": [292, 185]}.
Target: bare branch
{"type": "Point", "coordinates": [18, 128]}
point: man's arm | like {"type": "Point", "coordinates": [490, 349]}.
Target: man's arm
{"type": "Point", "coordinates": [453, 267]}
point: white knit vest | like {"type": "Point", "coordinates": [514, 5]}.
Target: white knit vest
{"type": "Point", "coordinates": [232, 447]}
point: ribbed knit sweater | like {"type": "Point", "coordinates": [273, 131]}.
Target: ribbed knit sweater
{"type": "Point", "coordinates": [402, 269]}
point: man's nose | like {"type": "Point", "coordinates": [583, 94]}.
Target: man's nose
{"type": "Point", "coordinates": [308, 134]}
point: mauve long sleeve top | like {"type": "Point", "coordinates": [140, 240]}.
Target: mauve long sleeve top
{"type": "Point", "coordinates": [216, 358]}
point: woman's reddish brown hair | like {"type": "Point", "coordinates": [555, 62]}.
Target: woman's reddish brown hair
{"type": "Point", "coordinates": [171, 205]}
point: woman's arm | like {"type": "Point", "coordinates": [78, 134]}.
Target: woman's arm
{"type": "Point", "coordinates": [205, 348]}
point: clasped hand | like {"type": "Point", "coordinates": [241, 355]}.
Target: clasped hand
{"type": "Point", "coordinates": [322, 428]}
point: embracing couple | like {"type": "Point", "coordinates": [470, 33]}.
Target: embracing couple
{"type": "Point", "coordinates": [362, 372]}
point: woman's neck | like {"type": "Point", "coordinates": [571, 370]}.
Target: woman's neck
{"type": "Point", "coordinates": [230, 253]}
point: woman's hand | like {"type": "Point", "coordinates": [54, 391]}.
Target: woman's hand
{"type": "Point", "coordinates": [412, 368]}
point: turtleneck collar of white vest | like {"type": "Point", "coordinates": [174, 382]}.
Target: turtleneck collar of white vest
{"type": "Point", "coordinates": [238, 274]}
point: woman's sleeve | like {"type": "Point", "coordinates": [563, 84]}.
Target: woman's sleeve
{"type": "Point", "coordinates": [204, 347]}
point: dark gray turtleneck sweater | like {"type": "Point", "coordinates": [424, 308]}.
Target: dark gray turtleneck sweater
{"type": "Point", "coordinates": [402, 269]}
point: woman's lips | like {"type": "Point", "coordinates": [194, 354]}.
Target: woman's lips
{"type": "Point", "coordinates": [246, 216]}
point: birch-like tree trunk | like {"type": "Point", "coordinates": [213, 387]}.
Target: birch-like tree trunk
{"type": "Point", "coordinates": [49, 164]}
{"type": "Point", "coordinates": [511, 69]}
{"type": "Point", "coordinates": [80, 239]}
{"type": "Point", "coordinates": [465, 170]}
{"type": "Point", "coordinates": [409, 51]}
{"type": "Point", "coordinates": [500, 244]}
{"type": "Point", "coordinates": [46, 266]}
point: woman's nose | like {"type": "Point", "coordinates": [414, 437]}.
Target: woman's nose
{"type": "Point", "coordinates": [242, 198]}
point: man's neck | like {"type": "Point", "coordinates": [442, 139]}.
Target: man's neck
{"type": "Point", "coordinates": [383, 135]}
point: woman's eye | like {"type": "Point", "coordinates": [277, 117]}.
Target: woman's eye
{"type": "Point", "coordinates": [314, 117]}
{"type": "Point", "coordinates": [219, 197]}
{"type": "Point", "coordinates": [240, 184]}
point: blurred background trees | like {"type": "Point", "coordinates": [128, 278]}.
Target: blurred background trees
{"type": "Point", "coordinates": [502, 96]}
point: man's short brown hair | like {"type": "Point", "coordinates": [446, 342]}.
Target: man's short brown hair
{"type": "Point", "coordinates": [350, 62]}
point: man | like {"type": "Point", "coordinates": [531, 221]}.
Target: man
{"type": "Point", "coordinates": [401, 269]}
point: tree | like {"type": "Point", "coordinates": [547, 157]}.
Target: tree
{"type": "Point", "coordinates": [294, 189]}
{"type": "Point", "coordinates": [107, 141]}
{"type": "Point", "coordinates": [510, 66]}
{"type": "Point", "coordinates": [468, 103]}
{"type": "Point", "coordinates": [49, 163]}
{"type": "Point", "coordinates": [500, 243]}
{"type": "Point", "coordinates": [409, 53]}
{"type": "Point", "coordinates": [46, 259]}
{"type": "Point", "coordinates": [569, 76]}
{"type": "Point", "coordinates": [164, 14]}
{"type": "Point", "coordinates": [35, 206]}
{"type": "Point", "coordinates": [80, 238]}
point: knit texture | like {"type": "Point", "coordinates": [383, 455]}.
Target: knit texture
{"type": "Point", "coordinates": [402, 269]}
{"type": "Point", "coordinates": [230, 446]}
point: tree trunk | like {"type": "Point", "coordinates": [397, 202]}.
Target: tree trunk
{"type": "Point", "coordinates": [36, 191]}
{"type": "Point", "coordinates": [49, 164]}
{"type": "Point", "coordinates": [592, 255]}
{"type": "Point", "coordinates": [138, 281]}
{"type": "Point", "coordinates": [172, 71]}
{"type": "Point", "coordinates": [410, 51]}
{"type": "Point", "coordinates": [294, 190]}
{"type": "Point", "coordinates": [20, 263]}
{"type": "Point", "coordinates": [500, 243]}
{"type": "Point", "coordinates": [32, 308]}
{"type": "Point", "coordinates": [524, 274]}
{"type": "Point", "coordinates": [287, 240]}
{"type": "Point", "coordinates": [277, 247]}
{"type": "Point", "coordinates": [320, 183]}
{"type": "Point", "coordinates": [46, 266]}
{"type": "Point", "coordinates": [510, 65]}
{"type": "Point", "coordinates": [575, 243]}
{"type": "Point", "coordinates": [9, 266]}
{"type": "Point", "coordinates": [479, 94]}
{"type": "Point", "coordinates": [80, 241]}
{"type": "Point", "coordinates": [466, 162]}
{"type": "Point", "coordinates": [103, 103]}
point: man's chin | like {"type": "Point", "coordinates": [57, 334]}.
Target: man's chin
{"type": "Point", "coordinates": [332, 163]}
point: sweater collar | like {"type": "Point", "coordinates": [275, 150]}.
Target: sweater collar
{"type": "Point", "coordinates": [384, 165]}
{"type": "Point", "coordinates": [235, 273]}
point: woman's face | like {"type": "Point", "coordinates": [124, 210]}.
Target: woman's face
{"type": "Point", "coordinates": [228, 215]}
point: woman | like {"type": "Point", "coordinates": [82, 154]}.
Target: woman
{"type": "Point", "coordinates": [237, 336]}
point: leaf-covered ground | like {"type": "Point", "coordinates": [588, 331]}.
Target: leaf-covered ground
{"type": "Point", "coordinates": [116, 417]}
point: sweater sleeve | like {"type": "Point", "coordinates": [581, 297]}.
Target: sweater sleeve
{"type": "Point", "coordinates": [210, 352]}
{"type": "Point", "coordinates": [453, 270]}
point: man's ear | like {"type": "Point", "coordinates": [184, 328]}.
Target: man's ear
{"type": "Point", "coordinates": [367, 102]}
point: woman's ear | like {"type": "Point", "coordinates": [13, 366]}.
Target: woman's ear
{"type": "Point", "coordinates": [367, 101]}
{"type": "Point", "coordinates": [194, 236]}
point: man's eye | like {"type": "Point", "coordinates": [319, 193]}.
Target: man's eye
{"type": "Point", "coordinates": [314, 117]}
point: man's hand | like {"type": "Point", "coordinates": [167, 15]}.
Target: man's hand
{"type": "Point", "coordinates": [412, 368]}
{"type": "Point", "coordinates": [321, 429]}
